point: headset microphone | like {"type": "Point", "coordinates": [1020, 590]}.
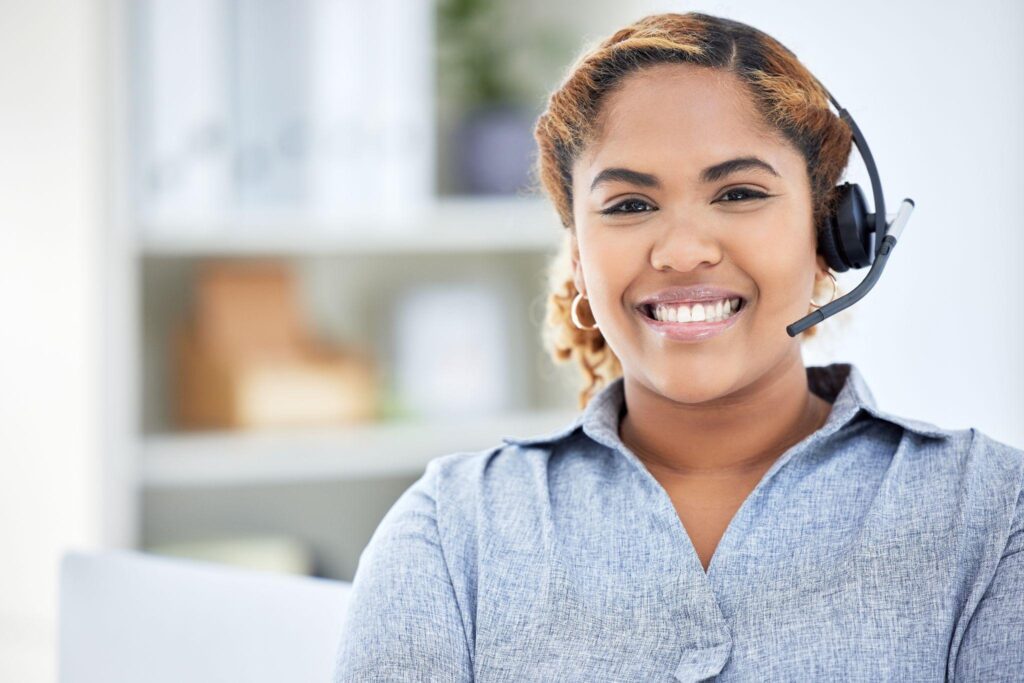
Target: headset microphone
{"type": "Point", "coordinates": [854, 238]}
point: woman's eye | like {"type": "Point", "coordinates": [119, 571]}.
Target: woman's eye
{"type": "Point", "coordinates": [739, 194]}
{"type": "Point", "coordinates": [629, 202]}
{"type": "Point", "coordinates": [744, 193]}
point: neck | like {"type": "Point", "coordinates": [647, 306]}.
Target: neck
{"type": "Point", "coordinates": [733, 436]}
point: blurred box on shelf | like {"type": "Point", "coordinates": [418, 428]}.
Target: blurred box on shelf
{"type": "Point", "coordinates": [246, 359]}
{"type": "Point", "coordinates": [451, 349]}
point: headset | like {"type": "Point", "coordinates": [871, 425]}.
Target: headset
{"type": "Point", "coordinates": [852, 237]}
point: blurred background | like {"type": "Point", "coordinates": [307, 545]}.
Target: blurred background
{"type": "Point", "coordinates": [263, 259]}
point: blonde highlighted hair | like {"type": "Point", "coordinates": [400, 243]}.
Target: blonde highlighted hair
{"type": "Point", "coordinates": [788, 96]}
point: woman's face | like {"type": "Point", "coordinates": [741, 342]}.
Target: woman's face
{"type": "Point", "coordinates": [749, 230]}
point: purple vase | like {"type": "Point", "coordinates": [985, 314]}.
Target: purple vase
{"type": "Point", "coordinates": [494, 148]}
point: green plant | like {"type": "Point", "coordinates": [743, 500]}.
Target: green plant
{"type": "Point", "coordinates": [486, 56]}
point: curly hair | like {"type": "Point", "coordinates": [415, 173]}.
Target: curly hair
{"type": "Point", "coordinates": [787, 95]}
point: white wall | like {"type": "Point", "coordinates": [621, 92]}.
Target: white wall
{"type": "Point", "coordinates": [937, 89]}
{"type": "Point", "coordinates": [50, 250]}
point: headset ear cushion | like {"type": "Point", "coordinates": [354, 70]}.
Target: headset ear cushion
{"type": "Point", "coordinates": [853, 236]}
{"type": "Point", "coordinates": [827, 245]}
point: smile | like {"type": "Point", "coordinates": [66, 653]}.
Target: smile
{"type": "Point", "coordinates": [701, 321]}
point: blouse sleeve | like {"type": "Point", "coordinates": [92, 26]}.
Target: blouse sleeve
{"type": "Point", "coordinates": [992, 648]}
{"type": "Point", "coordinates": [402, 621]}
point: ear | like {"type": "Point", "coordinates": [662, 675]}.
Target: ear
{"type": "Point", "coordinates": [577, 270]}
{"type": "Point", "coordinates": [822, 264]}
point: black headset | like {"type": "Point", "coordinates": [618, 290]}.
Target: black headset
{"type": "Point", "coordinates": [852, 237]}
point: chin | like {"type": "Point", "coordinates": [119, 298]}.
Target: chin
{"type": "Point", "coordinates": [693, 383]}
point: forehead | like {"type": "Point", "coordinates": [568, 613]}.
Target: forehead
{"type": "Point", "coordinates": [681, 111]}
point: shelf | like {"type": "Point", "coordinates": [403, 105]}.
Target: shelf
{"type": "Point", "coordinates": [452, 225]}
{"type": "Point", "coordinates": [401, 448]}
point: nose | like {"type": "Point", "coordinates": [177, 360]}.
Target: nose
{"type": "Point", "coordinates": [684, 245]}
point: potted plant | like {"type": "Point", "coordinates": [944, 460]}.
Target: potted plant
{"type": "Point", "coordinates": [492, 72]}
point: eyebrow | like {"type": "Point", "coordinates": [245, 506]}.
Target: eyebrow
{"type": "Point", "coordinates": [708, 175]}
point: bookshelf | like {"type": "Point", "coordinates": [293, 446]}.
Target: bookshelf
{"type": "Point", "coordinates": [450, 225]}
{"type": "Point", "coordinates": [382, 449]}
{"type": "Point", "coordinates": [328, 487]}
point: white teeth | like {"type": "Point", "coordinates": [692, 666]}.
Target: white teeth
{"type": "Point", "coordinates": [704, 312]}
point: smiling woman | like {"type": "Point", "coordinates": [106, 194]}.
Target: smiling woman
{"type": "Point", "coordinates": [744, 138]}
{"type": "Point", "coordinates": [714, 208]}
{"type": "Point", "coordinates": [717, 510]}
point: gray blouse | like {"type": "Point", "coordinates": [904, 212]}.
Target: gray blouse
{"type": "Point", "coordinates": [878, 548]}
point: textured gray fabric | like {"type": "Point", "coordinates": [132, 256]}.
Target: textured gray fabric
{"type": "Point", "coordinates": [879, 548]}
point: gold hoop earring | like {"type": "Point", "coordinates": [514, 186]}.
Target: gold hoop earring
{"type": "Point", "coordinates": [834, 291]}
{"type": "Point", "coordinates": [575, 315]}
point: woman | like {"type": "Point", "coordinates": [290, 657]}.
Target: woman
{"type": "Point", "coordinates": [718, 510]}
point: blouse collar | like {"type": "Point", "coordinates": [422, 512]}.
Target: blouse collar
{"type": "Point", "coordinates": [839, 383]}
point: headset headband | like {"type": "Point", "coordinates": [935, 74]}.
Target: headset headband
{"type": "Point", "coordinates": [869, 162]}
{"type": "Point", "coordinates": [885, 234]}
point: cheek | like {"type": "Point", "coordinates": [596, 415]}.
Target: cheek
{"type": "Point", "coordinates": [612, 267]}
{"type": "Point", "coordinates": [781, 263]}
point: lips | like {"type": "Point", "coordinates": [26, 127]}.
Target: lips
{"type": "Point", "coordinates": [689, 294]}
{"type": "Point", "coordinates": [691, 332]}
{"type": "Point", "coordinates": [648, 309]}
